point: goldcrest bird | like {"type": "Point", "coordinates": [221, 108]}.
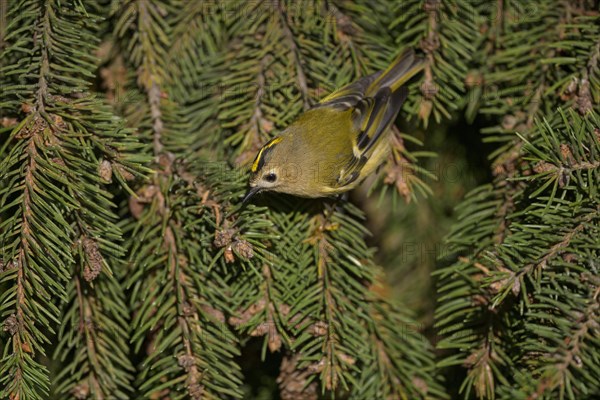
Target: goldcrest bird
{"type": "Point", "coordinates": [334, 145]}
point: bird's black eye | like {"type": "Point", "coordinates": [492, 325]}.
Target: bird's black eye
{"type": "Point", "coordinates": [270, 177]}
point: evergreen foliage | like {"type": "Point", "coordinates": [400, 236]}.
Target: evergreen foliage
{"type": "Point", "coordinates": [519, 307]}
{"type": "Point", "coordinates": [129, 268]}
{"type": "Point", "coordinates": [59, 242]}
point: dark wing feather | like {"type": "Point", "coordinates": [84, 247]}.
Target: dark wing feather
{"type": "Point", "coordinates": [385, 109]}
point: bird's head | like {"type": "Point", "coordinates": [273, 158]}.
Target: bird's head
{"type": "Point", "coordinates": [273, 168]}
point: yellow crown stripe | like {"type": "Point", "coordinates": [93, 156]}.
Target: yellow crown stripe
{"type": "Point", "coordinates": [256, 160]}
{"type": "Point", "coordinates": [259, 156]}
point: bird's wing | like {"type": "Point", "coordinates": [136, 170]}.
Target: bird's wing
{"type": "Point", "coordinates": [372, 118]}
{"type": "Point", "coordinates": [375, 101]}
{"type": "Point", "coordinates": [349, 95]}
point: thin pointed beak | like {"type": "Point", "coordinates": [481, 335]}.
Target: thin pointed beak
{"type": "Point", "coordinates": [251, 192]}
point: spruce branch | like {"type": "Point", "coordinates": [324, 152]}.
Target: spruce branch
{"type": "Point", "coordinates": [359, 44]}
{"type": "Point", "coordinates": [310, 314]}
{"type": "Point", "coordinates": [289, 36]}
{"type": "Point", "coordinates": [558, 373]}
{"type": "Point", "coordinates": [22, 376]}
{"type": "Point", "coordinates": [189, 346]}
{"type": "Point", "coordinates": [392, 372]}
{"type": "Point", "coordinates": [50, 174]}
{"type": "Point", "coordinates": [94, 335]}
{"type": "Point", "coordinates": [402, 170]}
{"type": "Point", "coordinates": [256, 88]}
{"type": "Point", "coordinates": [533, 266]}
{"type": "Point", "coordinates": [332, 350]}
{"type": "Point", "coordinates": [180, 303]}
{"type": "Point", "coordinates": [264, 316]}
{"type": "Point", "coordinates": [447, 34]}
{"type": "Point", "coordinates": [547, 83]}
{"type": "Point", "coordinates": [148, 55]}
{"type": "Point", "coordinates": [504, 285]}
{"type": "Point", "coordinates": [347, 37]}
{"type": "Point", "coordinates": [258, 125]}
{"type": "Point", "coordinates": [197, 36]}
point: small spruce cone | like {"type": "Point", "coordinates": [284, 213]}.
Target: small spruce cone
{"type": "Point", "coordinates": [292, 381]}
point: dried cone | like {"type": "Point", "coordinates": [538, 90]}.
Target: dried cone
{"type": "Point", "coordinates": [105, 171]}
{"type": "Point", "coordinates": [292, 381]}
{"type": "Point", "coordinates": [93, 267]}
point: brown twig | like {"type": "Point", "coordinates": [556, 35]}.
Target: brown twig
{"type": "Point", "coordinates": [149, 77]}
{"type": "Point", "coordinates": [558, 247]}
{"type": "Point", "coordinates": [188, 362]}
{"type": "Point", "coordinates": [328, 365]}
{"type": "Point", "coordinates": [3, 22]}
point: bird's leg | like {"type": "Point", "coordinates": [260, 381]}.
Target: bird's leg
{"type": "Point", "coordinates": [335, 205]}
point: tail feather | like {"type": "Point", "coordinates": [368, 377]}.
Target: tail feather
{"type": "Point", "coordinates": [404, 67]}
